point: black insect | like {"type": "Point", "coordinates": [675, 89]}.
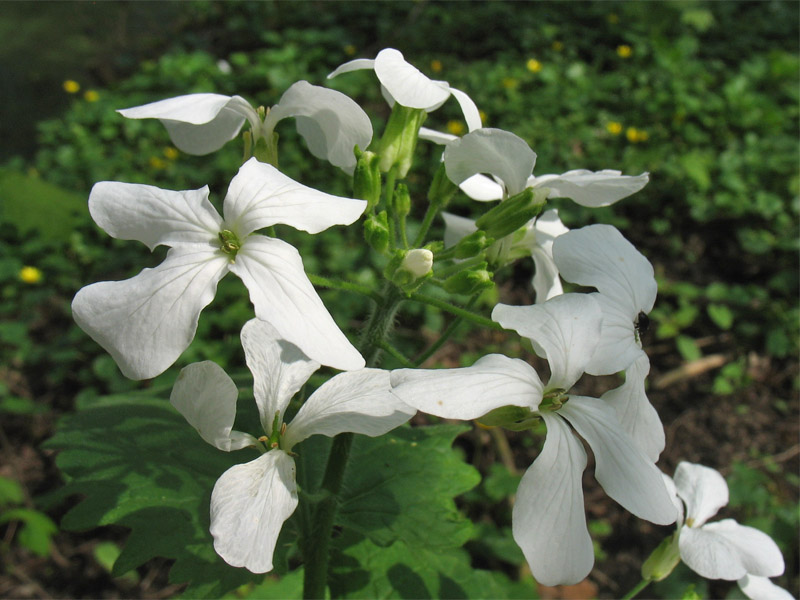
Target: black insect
{"type": "Point", "coordinates": [642, 323]}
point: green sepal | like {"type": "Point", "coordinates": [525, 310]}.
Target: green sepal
{"type": "Point", "coordinates": [401, 200]}
{"type": "Point", "coordinates": [470, 281]}
{"type": "Point", "coordinates": [442, 189]}
{"type": "Point", "coordinates": [376, 231]}
{"type": "Point", "coordinates": [266, 150]}
{"type": "Point", "coordinates": [663, 560]}
{"type": "Point", "coordinates": [367, 178]}
{"type": "Point", "coordinates": [472, 245]}
{"type": "Point", "coordinates": [399, 140]}
{"type": "Point", "coordinates": [511, 214]}
{"type": "Point", "coordinates": [514, 418]}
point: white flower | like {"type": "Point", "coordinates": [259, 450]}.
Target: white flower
{"type": "Point", "coordinates": [251, 501]}
{"type": "Point", "coordinates": [723, 549]}
{"type": "Point", "coordinates": [147, 321]}
{"type": "Point", "coordinates": [510, 161]}
{"type": "Point", "coordinates": [535, 239]}
{"type": "Point", "coordinates": [599, 256]}
{"type": "Point", "coordinates": [418, 262]}
{"type": "Point", "coordinates": [331, 123]}
{"type": "Point", "coordinates": [548, 521]}
{"type": "Point", "coordinates": [405, 84]}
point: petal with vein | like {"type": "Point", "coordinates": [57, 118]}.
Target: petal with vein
{"type": "Point", "coordinates": [470, 392]}
{"type": "Point", "coordinates": [549, 521]}
{"type": "Point", "coordinates": [260, 196]}
{"type": "Point", "coordinates": [356, 401]}
{"type": "Point", "coordinates": [147, 321]}
{"type": "Point", "coordinates": [281, 293]}
{"type": "Point", "coordinates": [249, 505]}
{"type": "Point", "coordinates": [279, 369]}
{"type": "Point", "coordinates": [727, 550]}
{"type": "Point", "coordinates": [565, 330]}
{"type": "Point", "coordinates": [133, 211]}
{"type": "Point", "coordinates": [593, 189]}
{"type": "Point", "coordinates": [618, 347]}
{"type": "Point", "coordinates": [624, 471]}
{"type": "Point", "coordinates": [331, 123]}
{"type": "Point", "coordinates": [703, 489]}
{"type": "Point", "coordinates": [494, 151]}
{"type": "Point", "coordinates": [634, 411]}
{"type": "Point", "coordinates": [206, 397]}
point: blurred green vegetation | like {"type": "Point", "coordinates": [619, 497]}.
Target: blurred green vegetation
{"type": "Point", "coordinates": [703, 95]}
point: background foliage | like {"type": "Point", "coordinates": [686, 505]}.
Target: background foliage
{"type": "Point", "coordinates": [704, 96]}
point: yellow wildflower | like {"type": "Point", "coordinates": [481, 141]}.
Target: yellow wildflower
{"type": "Point", "coordinates": [91, 96]}
{"type": "Point", "coordinates": [614, 127]}
{"type": "Point", "coordinates": [30, 275]}
{"type": "Point", "coordinates": [624, 51]}
{"type": "Point", "coordinates": [436, 66]}
{"type": "Point", "coordinates": [534, 66]}
{"type": "Point", "coordinates": [510, 83]}
{"type": "Point", "coordinates": [455, 127]}
{"type": "Point", "coordinates": [613, 18]}
{"type": "Point", "coordinates": [71, 87]}
{"type": "Point", "coordinates": [350, 50]}
{"type": "Point", "coordinates": [636, 135]}
{"type": "Point", "coordinates": [171, 153]}
{"type": "Point", "coordinates": [483, 117]}
{"type": "Point", "coordinates": [558, 46]}
{"type": "Point", "coordinates": [157, 163]}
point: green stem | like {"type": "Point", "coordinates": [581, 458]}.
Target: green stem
{"type": "Point", "coordinates": [389, 349]}
{"type": "Point", "coordinates": [451, 328]}
{"type": "Point", "coordinates": [389, 204]}
{"type": "Point", "coordinates": [316, 547]}
{"type": "Point", "coordinates": [456, 310]}
{"type": "Point", "coordinates": [427, 221]}
{"type": "Point", "coordinates": [348, 286]}
{"type": "Point", "coordinates": [638, 588]}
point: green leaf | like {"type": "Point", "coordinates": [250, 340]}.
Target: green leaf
{"type": "Point", "coordinates": [401, 487]}
{"type": "Point", "coordinates": [360, 569]}
{"type": "Point", "coordinates": [10, 492]}
{"type": "Point", "coordinates": [688, 348]}
{"type": "Point", "coordinates": [137, 463]}
{"type": "Point", "coordinates": [37, 529]}
{"type": "Point", "coordinates": [35, 205]}
{"type": "Point", "coordinates": [721, 315]}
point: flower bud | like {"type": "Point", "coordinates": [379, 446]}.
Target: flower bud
{"type": "Point", "coordinates": [408, 269]}
{"type": "Point", "coordinates": [469, 281]}
{"type": "Point", "coordinates": [367, 178]}
{"type": "Point", "coordinates": [376, 231]}
{"type": "Point", "coordinates": [402, 200]}
{"type": "Point", "coordinates": [418, 262]}
{"type": "Point", "coordinates": [511, 214]}
{"type": "Point", "coordinates": [472, 245]}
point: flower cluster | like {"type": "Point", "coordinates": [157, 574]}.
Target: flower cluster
{"type": "Point", "coordinates": [147, 322]}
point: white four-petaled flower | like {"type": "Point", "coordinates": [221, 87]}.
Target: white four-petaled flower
{"type": "Point", "coordinates": [251, 501]}
{"type": "Point", "coordinates": [331, 123]}
{"type": "Point", "coordinates": [548, 521]}
{"type": "Point", "coordinates": [147, 321]}
{"type": "Point", "coordinates": [723, 549]}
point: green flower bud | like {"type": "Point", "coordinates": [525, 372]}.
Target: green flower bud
{"type": "Point", "coordinates": [397, 145]}
{"type": "Point", "coordinates": [469, 281]}
{"type": "Point", "coordinates": [367, 178]}
{"type": "Point", "coordinates": [376, 231]}
{"type": "Point", "coordinates": [408, 269]}
{"type": "Point", "coordinates": [402, 200]}
{"type": "Point", "coordinates": [442, 189]}
{"type": "Point", "coordinates": [511, 214]}
{"type": "Point", "coordinates": [472, 245]}
{"type": "Point", "coordinates": [663, 559]}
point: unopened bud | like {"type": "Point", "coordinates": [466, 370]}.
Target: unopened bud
{"type": "Point", "coordinates": [469, 281]}
{"type": "Point", "coordinates": [472, 245]}
{"type": "Point", "coordinates": [376, 231]}
{"type": "Point", "coordinates": [418, 262]}
{"type": "Point", "coordinates": [408, 269]}
{"type": "Point", "coordinates": [511, 214]}
{"type": "Point", "coordinates": [367, 178]}
{"type": "Point", "coordinates": [402, 200]}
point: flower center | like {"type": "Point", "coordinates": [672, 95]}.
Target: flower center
{"type": "Point", "coordinates": [229, 243]}
{"type": "Point", "coordinates": [553, 400]}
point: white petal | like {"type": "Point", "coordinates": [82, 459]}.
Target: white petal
{"type": "Point", "coordinates": [565, 329]}
{"type": "Point", "coordinates": [281, 293]}
{"type": "Point", "coordinates": [598, 256]}
{"type": "Point", "coordinates": [356, 64]}
{"type": "Point", "coordinates": [406, 84]}
{"type": "Point", "coordinates": [471, 113]}
{"type": "Point", "coordinates": [634, 411]}
{"type": "Point", "coordinates": [132, 211]}
{"type": "Point", "coordinates": [624, 471]}
{"type": "Point", "coordinates": [456, 228]}
{"type": "Point", "coordinates": [357, 401]}
{"type": "Point", "coordinates": [546, 282]}
{"type": "Point", "coordinates": [198, 123]}
{"type": "Point", "coordinates": [437, 137]}
{"type": "Point", "coordinates": [206, 397]}
{"type": "Point", "coordinates": [592, 189]}
{"type": "Point", "coordinates": [482, 188]}
{"type": "Point", "coordinates": [279, 369]}
{"type": "Point", "coordinates": [761, 588]}
{"type": "Point", "coordinates": [727, 550]}
{"type": "Point", "coordinates": [470, 392]}
{"type": "Point", "coordinates": [249, 505]}
{"type": "Point", "coordinates": [547, 227]}
{"type": "Point", "coordinates": [673, 494]}
{"type": "Point", "coordinates": [548, 521]}
{"type": "Point", "coordinates": [703, 490]}
{"type": "Point", "coordinates": [147, 321]}
{"type": "Point", "coordinates": [331, 123]}
{"type": "Point", "coordinates": [618, 347]}
{"type": "Point", "coordinates": [494, 151]}
{"type": "Point", "coordinates": [261, 196]}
